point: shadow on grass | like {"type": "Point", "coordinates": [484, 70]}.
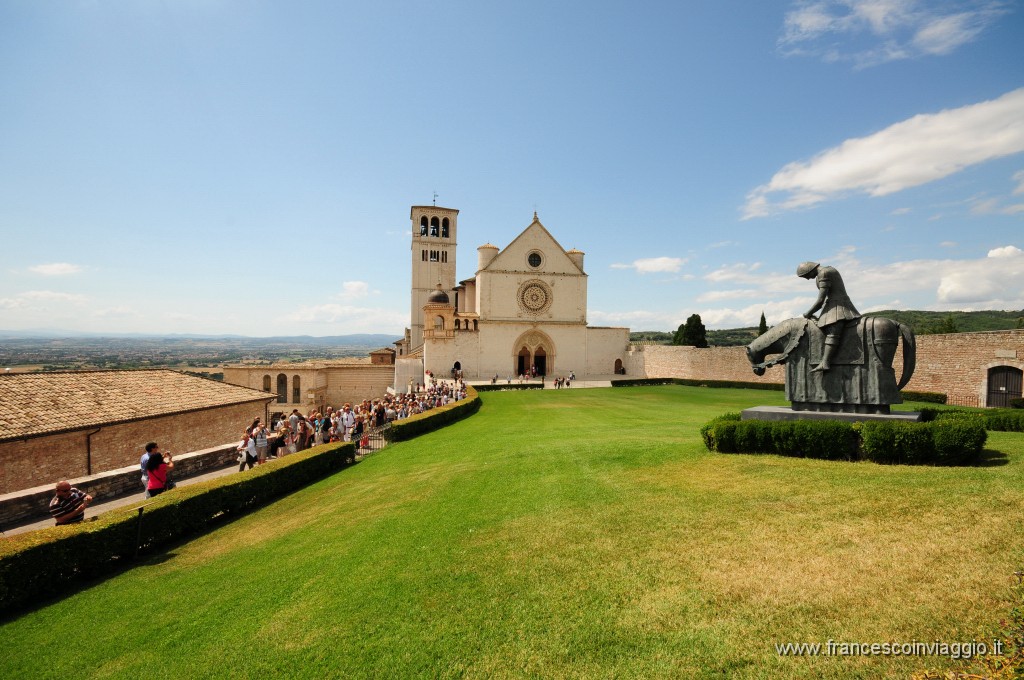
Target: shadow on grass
{"type": "Point", "coordinates": [990, 458]}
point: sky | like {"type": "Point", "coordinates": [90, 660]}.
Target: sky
{"type": "Point", "coordinates": [247, 167]}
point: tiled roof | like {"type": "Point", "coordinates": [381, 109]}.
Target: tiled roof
{"type": "Point", "coordinates": [33, 404]}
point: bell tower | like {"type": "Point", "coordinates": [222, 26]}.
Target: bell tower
{"type": "Point", "coordinates": [433, 260]}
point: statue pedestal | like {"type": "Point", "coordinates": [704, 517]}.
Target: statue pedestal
{"type": "Point", "coordinates": [786, 413]}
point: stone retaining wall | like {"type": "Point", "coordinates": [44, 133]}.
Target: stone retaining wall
{"type": "Point", "coordinates": [30, 505]}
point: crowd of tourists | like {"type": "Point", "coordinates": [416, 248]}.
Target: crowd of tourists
{"type": "Point", "coordinates": [289, 434]}
{"type": "Point", "coordinates": [349, 422]}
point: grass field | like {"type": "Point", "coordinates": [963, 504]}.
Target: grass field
{"type": "Point", "coordinates": [573, 533]}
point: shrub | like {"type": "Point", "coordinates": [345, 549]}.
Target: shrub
{"type": "Point", "coordinates": [739, 384]}
{"type": "Point", "coordinates": [1004, 420]}
{"type": "Point", "coordinates": [502, 387]}
{"type": "Point", "coordinates": [1017, 402]}
{"type": "Point", "coordinates": [434, 419]}
{"type": "Point", "coordinates": [949, 441]}
{"type": "Point", "coordinates": [929, 397]}
{"type": "Point", "coordinates": [895, 442]}
{"type": "Point", "coordinates": [997, 420]}
{"type": "Point", "coordinates": [803, 438]}
{"type": "Point", "coordinates": [40, 563]}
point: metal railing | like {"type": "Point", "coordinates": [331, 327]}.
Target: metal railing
{"type": "Point", "coordinates": [962, 400]}
{"type": "Point", "coordinates": [372, 440]}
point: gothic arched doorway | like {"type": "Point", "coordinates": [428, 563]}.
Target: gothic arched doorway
{"type": "Point", "coordinates": [534, 349]}
{"type": "Point", "coordinates": [540, 360]}
{"type": "Point", "coordinates": [523, 363]}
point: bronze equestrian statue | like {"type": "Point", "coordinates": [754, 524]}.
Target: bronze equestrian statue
{"type": "Point", "coordinates": [842, 363]}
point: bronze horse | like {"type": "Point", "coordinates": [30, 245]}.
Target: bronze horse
{"type": "Point", "coordinates": [862, 378]}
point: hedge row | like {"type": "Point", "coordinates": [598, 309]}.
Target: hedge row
{"type": "Point", "coordinates": [908, 395]}
{"type": "Point", "coordinates": [434, 419]}
{"type": "Point", "coordinates": [637, 382]}
{"type": "Point", "coordinates": [927, 397]}
{"type": "Point", "coordinates": [501, 387]}
{"type": "Point", "coordinates": [40, 563]}
{"type": "Point", "coordinates": [953, 441]}
{"type": "Point", "coordinates": [997, 420]}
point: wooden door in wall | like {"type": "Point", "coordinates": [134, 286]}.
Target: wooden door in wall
{"type": "Point", "coordinates": [1004, 384]}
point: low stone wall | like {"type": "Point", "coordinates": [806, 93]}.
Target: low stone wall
{"type": "Point", "coordinates": [33, 504]}
{"type": "Point", "coordinates": [704, 363]}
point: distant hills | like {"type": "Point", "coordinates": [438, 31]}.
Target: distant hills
{"type": "Point", "coordinates": [373, 340]}
{"type": "Point", "coordinates": [923, 323]}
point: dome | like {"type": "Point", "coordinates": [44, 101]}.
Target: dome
{"type": "Point", "coordinates": [438, 297]}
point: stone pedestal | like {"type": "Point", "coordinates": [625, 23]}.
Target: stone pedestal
{"type": "Point", "coordinates": [786, 413]}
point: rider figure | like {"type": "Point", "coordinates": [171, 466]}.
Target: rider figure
{"type": "Point", "coordinates": [838, 309]}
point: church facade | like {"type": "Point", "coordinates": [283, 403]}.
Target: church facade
{"type": "Point", "coordinates": [523, 312]}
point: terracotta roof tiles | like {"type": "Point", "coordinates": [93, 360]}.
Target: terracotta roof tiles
{"type": "Point", "coordinates": [34, 404]}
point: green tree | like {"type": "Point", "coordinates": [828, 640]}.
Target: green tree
{"type": "Point", "coordinates": [692, 333]}
{"type": "Point", "coordinates": [947, 325]}
{"type": "Point", "coordinates": [762, 327]}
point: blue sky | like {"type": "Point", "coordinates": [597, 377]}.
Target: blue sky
{"type": "Point", "coordinates": [219, 166]}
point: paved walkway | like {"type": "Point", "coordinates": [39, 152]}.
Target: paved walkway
{"type": "Point", "coordinates": [120, 502]}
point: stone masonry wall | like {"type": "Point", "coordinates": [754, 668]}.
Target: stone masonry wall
{"type": "Point", "coordinates": [46, 460]}
{"type": "Point", "coordinates": [708, 363]}
{"type": "Point", "coordinates": [955, 364]}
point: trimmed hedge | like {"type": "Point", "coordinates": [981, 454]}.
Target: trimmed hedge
{"type": "Point", "coordinates": [434, 419]}
{"type": "Point", "coordinates": [928, 397]}
{"type": "Point", "coordinates": [996, 420]}
{"type": "Point", "coordinates": [945, 442]}
{"type": "Point", "coordinates": [36, 564]}
{"type": "Point", "coordinates": [501, 387]}
{"type": "Point", "coordinates": [637, 382]}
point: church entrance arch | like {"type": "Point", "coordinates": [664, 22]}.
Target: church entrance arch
{"type": "Point", "coordinates": [533, 350]}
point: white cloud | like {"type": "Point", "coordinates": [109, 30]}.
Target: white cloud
{"type": "Point", "coordinates": [652, 265]}
{"type": "Point", "coordinates": [40, 300]}
{"type": "Point", "coordinates": [916, 151]}
{"type": "Point", "coordinates": [900, 211]}
{"type": "Point", "coordinates": [995, 281]}
{"type": "Point", "coordinates": [355, 289]}
{"type": "Point", "coordinates": [948, 244]}
{"type": "Point", "coordinates": [872, 32]}
{"type": "Point", "coordinates": [338, 318]}
{"type": "Point", "coordinates": [1019, 178]}
{"type": "Point", "coordinates": [55, 269]}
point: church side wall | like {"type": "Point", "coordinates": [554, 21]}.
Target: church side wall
{"type": "Point", "coordinates": [604, 346]}
{"type": "Point", "coordinates": [47, 460]}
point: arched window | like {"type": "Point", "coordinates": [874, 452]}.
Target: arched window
{"type": "Point", "coordinates": [444, 256]}
{"type": "Point", "coordinates": [438, 323]}
{"type": "Point", "coordinates": [433, 256]}
{"type": "Point", "coordinates": [296, 390]}
{"type": "Point", "coordinates": [474, 325]}
{"type": "Point", "coordinates": [444, 228]}
{"type": "Point", "coordinates": [266, 383]}
{"type": "Point", "coordinates": [457, 366]}
{"type": "Point", "coordinates": [433, 226]}
{"type": "Point", "coordinates": [282, 388]}
{"type": "Point", "coordinates": [423, 226]}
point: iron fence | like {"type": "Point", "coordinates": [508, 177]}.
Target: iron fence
{"type": "Point", "coordinates": [963, 400]}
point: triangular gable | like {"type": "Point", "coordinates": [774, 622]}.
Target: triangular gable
{"type": "Point", "coordinates": [534, 237]}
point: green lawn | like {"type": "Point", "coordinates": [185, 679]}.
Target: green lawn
{"type": "Point", "coordinates": [579, 533]}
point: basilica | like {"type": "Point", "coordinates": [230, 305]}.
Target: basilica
{"type": "Point", "coordinates": [524, 312]}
